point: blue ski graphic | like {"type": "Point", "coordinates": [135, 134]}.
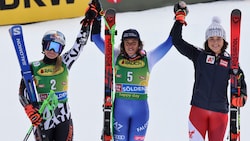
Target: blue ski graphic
{"type": "Point", "coordinates": [18, 41]}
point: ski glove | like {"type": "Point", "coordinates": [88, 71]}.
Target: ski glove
{"type": "Point", "coordinates": [33, 114]}
{"type": "Point", "coordinates": [181, 11]}
{"type": "Point", "coordinates": [239, 101]}
{"type": "Point", "coordinates": [96, 25]}
{"type": "Point", "coordinates": [98, 6]}
{"type": "Point", "coordinates": [90, 14]}
{"type": "Point", "coordinates": [235, 136]}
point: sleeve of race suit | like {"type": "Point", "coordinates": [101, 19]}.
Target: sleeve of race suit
{"type": "Point", "coordinates": [181, 45]}
{"type": "Point", "coordinates": [99, 42]}
{"type": "Point", "coordinates": [72, 55]}
{"type": "Point", "coordinates": [96, 35]}
{"type": "Point", "coordinates": [159, 52]}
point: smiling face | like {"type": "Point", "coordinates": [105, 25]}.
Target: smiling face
{"type": "Point", "coordinates": [215, 43]}
{"type": "Point", "coordinates": [50, 54]}
{"type": "Point", "coordinates": [131, 46]}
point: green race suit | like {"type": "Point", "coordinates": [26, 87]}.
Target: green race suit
{"type": "Point", "coordinates": [47, 79]}
{"type": "Point", "coordinates": [57, 123]}
{"type": "Point", "coordinates": [131, 78]}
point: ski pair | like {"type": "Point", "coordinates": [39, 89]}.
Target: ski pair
{"type": "Point", "coordinates": [235, 21]}
{"type": "Point", "coordinates": [110, 32]}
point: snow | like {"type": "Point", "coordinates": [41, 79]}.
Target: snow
{"type": "Point", "coordinates": [170, 86]}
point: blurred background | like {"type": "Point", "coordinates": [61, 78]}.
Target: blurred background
{"type": "Point", "coordinates": [137, 5]}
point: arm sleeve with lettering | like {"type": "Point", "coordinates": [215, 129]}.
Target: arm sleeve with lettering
{"type": "Point", "coordinates": [72, 55]}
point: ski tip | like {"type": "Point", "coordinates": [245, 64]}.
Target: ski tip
{"type": "Point", "coordinates": [110, 11]}
{"type": "Point", "coordinates": [15, 30]}
{"type": "Point", "coordinates": [236, 12]}
{"type": "Point", "coordinates": [16, 26]}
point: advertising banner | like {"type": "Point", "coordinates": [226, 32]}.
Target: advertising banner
{"type": "Point", "coordinates": [29, 11]}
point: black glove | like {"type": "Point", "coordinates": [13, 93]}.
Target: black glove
{"type": "Point", "coordinates": [90, 14]}
{"type": "Point", "coordinates": [181, 11]}
{"type": "Point", "coordinates": [96, 25]}
{"type": "Point", "coordinates": [93, 11]}
{"type": "Point", "coordinates": [98, 6]}
{"type": "Point", "coordinates": [239, 100]}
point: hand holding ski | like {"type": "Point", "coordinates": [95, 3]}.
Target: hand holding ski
{"type": "Point", "coordinates": [51, 103]}
{"type": "Point", "coordinates": [93, 11]}
{"type": "Point", "coordinates": [33, 114]}
{"type": "Point", "coordinates": [239, 97]}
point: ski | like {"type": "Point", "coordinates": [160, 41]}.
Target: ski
{"type": "Point", "coordinates": [16, 34]}
{"type": "Point", "coordinates": [110, 32]}
{"type": "Point", "coordinates": [234, 85]}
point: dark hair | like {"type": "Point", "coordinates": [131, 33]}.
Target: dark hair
{"type": "Point", "coordinates": [224, 47]}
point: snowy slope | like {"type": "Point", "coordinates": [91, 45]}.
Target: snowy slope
{"type": "Point", "coordinates": [171, 80]}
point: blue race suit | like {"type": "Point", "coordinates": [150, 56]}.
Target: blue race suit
{"type": "Point", "coordinates": [131, 112]}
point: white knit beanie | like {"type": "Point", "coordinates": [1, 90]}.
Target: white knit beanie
{"type": "Point", "coordinates": [215, 29]}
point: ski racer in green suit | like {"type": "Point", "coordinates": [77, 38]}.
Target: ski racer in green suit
{"type": "Point", "coordinates": [132, 69]}
{"type": "Point", "coordinates": [51, 73]}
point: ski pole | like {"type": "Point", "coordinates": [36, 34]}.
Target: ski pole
{"type": "Point", "coordinates": [51, 102]}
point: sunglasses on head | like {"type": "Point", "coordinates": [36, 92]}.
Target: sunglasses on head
{"type": "Point", "coordinates": [56, 47]}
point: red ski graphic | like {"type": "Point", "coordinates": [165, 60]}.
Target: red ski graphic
{"type": "Point", "coordinates": [109, 42]}
{"type": "Point", "coordinates": [235, 87]}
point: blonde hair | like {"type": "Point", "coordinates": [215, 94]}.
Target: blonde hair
{"type": "Point", "coordinates": [58, 63]}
